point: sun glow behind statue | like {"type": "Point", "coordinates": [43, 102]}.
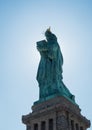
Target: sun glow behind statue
{"type": "Point", "coordinates": [22, 24]}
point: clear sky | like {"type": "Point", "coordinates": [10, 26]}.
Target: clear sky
{"type": "Point", "coordinates": [22, 24]}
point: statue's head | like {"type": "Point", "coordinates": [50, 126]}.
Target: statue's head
{"type": "Point", "coordinates": [50, 36]}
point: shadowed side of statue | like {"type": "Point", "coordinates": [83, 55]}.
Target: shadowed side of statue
{"type": "Point", "coordinates": [49, 75]}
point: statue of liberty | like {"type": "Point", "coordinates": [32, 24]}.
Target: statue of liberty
{"type": "Point", "coordinates": [49, 75]}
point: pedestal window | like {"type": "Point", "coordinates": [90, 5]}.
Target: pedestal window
{"type": "Point", "coordinates": [50, 124]}
{"type": "Point", "coordinates": [43, 125]}
{"type": "Point", "coordinates": [77, 126]}
{"type": "Point", "coordinates": [35, 126]}
{"type": "Point", "coordinates": [72, 124]}
{"type": "Point", "coordinates": [81, 128]}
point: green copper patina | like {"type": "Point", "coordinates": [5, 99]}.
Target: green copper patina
{"type": "Point", "coordinates": [49, 75]}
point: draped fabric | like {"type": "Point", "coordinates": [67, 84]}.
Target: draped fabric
{"type": "Point", "coordinates": [49, 75]}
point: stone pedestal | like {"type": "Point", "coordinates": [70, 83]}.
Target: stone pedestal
{"type": "Point", "coordinates": [57, 113]}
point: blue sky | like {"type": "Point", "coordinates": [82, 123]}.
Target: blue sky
{"type": "Point", "coordinates": [22, 24]}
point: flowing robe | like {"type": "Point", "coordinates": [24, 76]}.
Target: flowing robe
{"type": "Point", "coordinates": [49, 75]}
